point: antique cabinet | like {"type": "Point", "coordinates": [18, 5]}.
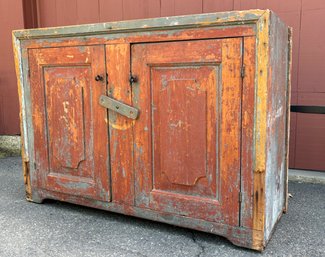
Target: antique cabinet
{"type": "Point", "coordinates": [182, 120]}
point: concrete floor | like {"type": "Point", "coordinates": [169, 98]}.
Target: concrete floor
{"type": "Point", "coordinates": [9, 146]}
{"type": "Point", "coordinates": [61, 229]}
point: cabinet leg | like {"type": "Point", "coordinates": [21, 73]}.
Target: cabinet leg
{"type": "Point", "coordinates": [34, 197]}
{"type": "Point", "coordinates": [257, 244]}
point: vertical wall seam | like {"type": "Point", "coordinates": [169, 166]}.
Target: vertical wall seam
{"type": "Point", "coordinates": [298, 72]}
{"type": "Point", "coordinates": [77, 13]}
{"type": "Point", "coordinates": [123, 10]}
{"type": "Point", "coordinates": [38, 14]}
{"type": "Point", "coordinates": [98, 11]}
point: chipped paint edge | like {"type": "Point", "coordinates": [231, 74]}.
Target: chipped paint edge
{"type": "Point", "coordinates": [260, 130]}
{"type": "Point", "coordinates": [22, 116]}
{"type": "Point", "coordinates": [175, 22]}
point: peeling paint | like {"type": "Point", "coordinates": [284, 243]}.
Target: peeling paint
{"type": "Point", "coordinates": [77, 173]}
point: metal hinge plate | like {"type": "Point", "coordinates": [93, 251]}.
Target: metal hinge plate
{"type": "Point", "coordinates": [118, 107]}
{"type": "Point", "coordinates": [240, 197]}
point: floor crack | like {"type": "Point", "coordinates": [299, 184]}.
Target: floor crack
{"type": "Point", "coordinates": [200, 245]}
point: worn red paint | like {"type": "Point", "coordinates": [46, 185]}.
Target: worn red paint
{"type": "Point", "coordinates": [120, 127]}
{"type": "Point", "coordinates": [181, 128]}
{"type": "Point", "coordinates": [68, 132]}
{"type": "Point", "coordinates": [195, 156]}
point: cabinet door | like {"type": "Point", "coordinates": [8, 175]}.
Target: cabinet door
{"type": "Point", "coordinates": [187, 137]}
{"type": "Point", "coordinates": [70, 133]}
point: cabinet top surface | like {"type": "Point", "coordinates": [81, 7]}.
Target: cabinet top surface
{"type": "Point", "coordinates": [152, 24]}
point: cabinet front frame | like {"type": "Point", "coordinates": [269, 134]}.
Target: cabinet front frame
{"type": "Point", "coordinates": [169, 36]}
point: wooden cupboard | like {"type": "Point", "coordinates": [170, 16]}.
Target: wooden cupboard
{"type": "Point", "coordinates": [182, 120]}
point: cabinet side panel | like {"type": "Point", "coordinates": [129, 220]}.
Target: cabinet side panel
{"type": "Point", "coordinates": [278, 88]}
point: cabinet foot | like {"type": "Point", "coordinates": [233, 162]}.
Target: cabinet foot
{"type": "Point", "coordinates": [34, 198]}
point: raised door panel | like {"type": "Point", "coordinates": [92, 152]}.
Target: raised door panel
{"type": "Point", "coordinates": [67, 106]}
{"type": "Point", "coordinates": [183, 126]}
{"type": "Point", "coordinates": [68, 122]}
{"type": "Point", "coordinates": [187, 137]}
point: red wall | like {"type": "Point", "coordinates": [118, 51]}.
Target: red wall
{"type": "Point", "coordinates": [307, 145]}
{"type": "Point", "coordinates": [11, 17]}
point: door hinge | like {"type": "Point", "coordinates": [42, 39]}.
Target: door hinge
{"type": "Point", "coordinates": [240, 197]}
{"type": "Point", "coordinates": [242, 71]}
{"type": "Point", "coordinates": [28, 72]}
